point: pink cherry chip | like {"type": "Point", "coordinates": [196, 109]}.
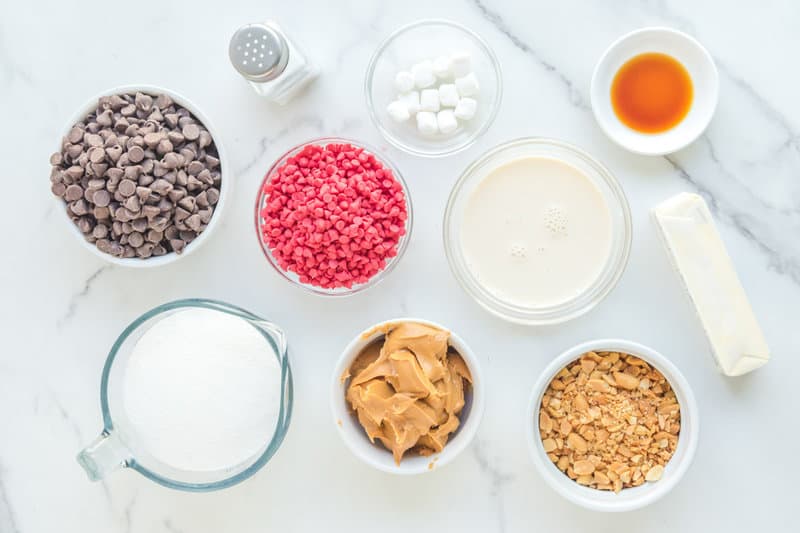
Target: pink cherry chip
{"type": "Point", "coordinates": [332, 214]}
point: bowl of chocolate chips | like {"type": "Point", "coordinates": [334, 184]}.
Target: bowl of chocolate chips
{"type": "Point", "coordinates": [140, 176]}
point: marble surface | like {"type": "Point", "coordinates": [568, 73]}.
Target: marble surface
{"type": "Point", "coordinates": [64, 307]}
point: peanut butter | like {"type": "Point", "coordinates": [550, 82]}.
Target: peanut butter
{"type": "Point", "coordinates": [407, 389]}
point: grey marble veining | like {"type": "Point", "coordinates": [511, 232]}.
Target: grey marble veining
{"type": "Point", "coordinates": [64, 307]}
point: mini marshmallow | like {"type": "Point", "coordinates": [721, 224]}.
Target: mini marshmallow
{"type": "Point", "coordinates": [411, 99]}
{"type": "Point", "coordinates": [426, 123]}
{"type": "Point", "coordinates": [448, 95]}
{"type": "Point", "coordinates": [429, 100]}
{"type": "Point", "coordinates": [460, 64]}
{"type": "Point", "coordinates": [467, 85]}
{"type": "Point", "coordinates": [398, 111]}
{"type": "Point", "coordinates": [441, 67]}
{"type": "Point", "coordinates": [446, 121]}
{"type": "Point", "coordinates": [423, 74]}
{"type": "Point", "coordinates": [465, 109]}
{"type": "Point", "coordinates": [404, 81]}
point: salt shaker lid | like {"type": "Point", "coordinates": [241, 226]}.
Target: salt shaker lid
{"type": "Point", "coordinates": [259, 52]}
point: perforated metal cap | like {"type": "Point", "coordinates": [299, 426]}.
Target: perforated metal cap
{"type": "Point", "coordinates": [259, 52]}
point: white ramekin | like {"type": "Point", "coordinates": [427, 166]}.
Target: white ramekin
{"type": "Point", "coordinates": [631, 498]}
{"type": "Point", "coordinates": [224, 192]}
{"type": "Point", "coordinates": [691, 55]}
{"type": "Point", "coordinates": [376, 455]}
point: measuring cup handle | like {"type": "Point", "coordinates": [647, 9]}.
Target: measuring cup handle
{"type": "Point", "coordinates": [277, 335]}
{"type": "Point", "coordinates": [102, 456]}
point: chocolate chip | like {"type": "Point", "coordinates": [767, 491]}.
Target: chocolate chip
{"type": "Point", "coordinates": [98, 169]}
{"type": "Point", "coordinates": [205, 139]}
{"type": "Point", "coordinates": [194, 222]}
{"type": "Point", "coordinates": [175, 137]}
{"type": "Point", "coordinates": [170, 160]}
{"type": "Point", "coordinates": [154, 236]}
{"type": "Point", "coordinates": [140, 225]}
{"type": "Point", "coordinates": [159, 169]}
{"type": "Point", "coordinates": [143, 101]}
{"type": "Point", "coordinates": [176, 195]}
{"type": "Point", "coordinates": [132, 204]}
{"type": "Point", "coordinates": [73, 151]}
{"type": "Point", "coordinates": [79, 207]}
{"type": "Point", "coordinates": [101, 198]}
{"type": "Point", "coordinates": [136, 239]}
{"type": "Point", "coordinates": [213, 196]}
{"type": "Point", "coordinates": [194, 168]}
{"type": "Point", "coordinates": [73, 192]}
{"type": "Point", "coordinates": [177, 245]}
{"type": "Point", "coordinates": [115, 174]}
{"type": "Point", "coordinates": [191, 131]}
{"type": "Point", "coordinates": [105, 118]}
{"type": "Point", "coordinates": [92, 139]}
{"type": "Point", "coordinates": [127, 187]}
{"type": "Point", "coordinates": [132, 172]}
{"type": "Point", "coordinates": [152, 139]}
{"type": "Point", "coordinates": [75, 135]}
{"type": "Point", "coordinates": [75, 172]}
{"type": "Point", "coordinates": [58, 189]}
{"type": "Point", "coordinates": [161, 186]}
{"type": "Point", "coordinates": [85, 225]}
{"type": "Point", "coordinates": [100, 231]}
{"type": "Point", "coordinates": [150, 211]}
{"type": "Point", "coordinates": [205, 215]}
{"type": "Point", "coordinates": [163, 101]}
{"type": "Point", "coordinates": [146, 250]}
{"type": "Point", "coordinates": [135, 153]}
{"type": "Point", "coordinates": [159, 223]}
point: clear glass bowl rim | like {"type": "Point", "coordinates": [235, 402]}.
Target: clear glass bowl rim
{"type": "Point", "coordinates": [401, 246]}
{"type": "Point", "coordinates": [477, 133]}
{"type": "Point", "coordinates": [564, 311]}
{"type": "Point", "coordinates": [284, 416]}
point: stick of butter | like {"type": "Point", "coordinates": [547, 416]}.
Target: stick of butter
{"type": "Point", "coordinates": [699, 255]}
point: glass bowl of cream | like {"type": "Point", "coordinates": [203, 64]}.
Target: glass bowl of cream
{"type": "Point", "coordinates": [537, 231]}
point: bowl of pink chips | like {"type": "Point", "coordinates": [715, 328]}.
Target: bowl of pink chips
{"type": "Point", "coordinates": [333, 217]}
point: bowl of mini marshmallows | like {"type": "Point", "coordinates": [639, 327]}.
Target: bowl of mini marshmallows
{"type": "Point", "coordinates": [433, 88]}
{"type": "Point", "coordinates": [140, 176]}
{"type": "Point", "coordinates": [333, 217]}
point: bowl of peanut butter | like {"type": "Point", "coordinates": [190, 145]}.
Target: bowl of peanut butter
{"type": "Point", "coordinates": [407, 396]}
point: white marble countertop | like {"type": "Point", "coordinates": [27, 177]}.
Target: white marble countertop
{"type": "Point", "coordinates": [64, 307]}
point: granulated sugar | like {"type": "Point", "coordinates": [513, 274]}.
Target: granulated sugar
{"type": "Point", "coordinates": [202, 390]}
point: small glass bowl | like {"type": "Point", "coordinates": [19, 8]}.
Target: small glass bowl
{"type": "Point", "coordinates": [620, 239]}
{"type": "Point", "coordinates": [293, 277]}
{"type": "Point", "coordinates": [427, 39]}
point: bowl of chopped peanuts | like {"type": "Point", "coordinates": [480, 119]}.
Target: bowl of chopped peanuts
{"type": "Point", "coordinates": [612, 425]}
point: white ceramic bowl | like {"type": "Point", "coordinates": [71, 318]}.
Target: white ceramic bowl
{"type": "Point", "coordinates": [224, 192]}
{"type": "Point", "coordinates": [691, 54]}
{"type": "Point", "coordinates": [630, 498]}
{"type": "Point", "coordinates": [376, 455]}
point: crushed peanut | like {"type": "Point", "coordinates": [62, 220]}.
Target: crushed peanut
{"type": "Point", "coordinates": [610, 421]}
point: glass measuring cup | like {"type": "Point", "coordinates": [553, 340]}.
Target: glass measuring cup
{"type": "Point", "coordinates": [118, 447]}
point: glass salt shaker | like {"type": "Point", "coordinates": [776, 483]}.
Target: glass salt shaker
{"type": "Point", "coordinates": [270, 61]}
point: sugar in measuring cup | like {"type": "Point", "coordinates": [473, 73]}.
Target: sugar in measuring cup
{"type": "Point", "coordinates": [196, 395]}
